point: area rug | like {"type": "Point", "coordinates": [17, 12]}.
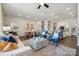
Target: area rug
{"type": "Point", "coordinates": [53, 50]}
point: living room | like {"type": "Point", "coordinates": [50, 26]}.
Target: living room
{"type": "Point", "coordinates": [33, 21]}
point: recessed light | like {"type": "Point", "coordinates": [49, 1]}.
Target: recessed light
{"type": "Point", "coordinates": [68, 9]}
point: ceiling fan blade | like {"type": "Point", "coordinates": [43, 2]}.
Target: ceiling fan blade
{"type": "Point", "coordinates": [46, 5]}
{"type": "Point", "coordinates": [39, 7]}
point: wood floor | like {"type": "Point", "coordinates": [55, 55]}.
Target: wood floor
{"type": "Point", "coordinates": [70, 41]}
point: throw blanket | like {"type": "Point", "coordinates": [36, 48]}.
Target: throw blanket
{"type": "Point", "coordinates": [9, 42]}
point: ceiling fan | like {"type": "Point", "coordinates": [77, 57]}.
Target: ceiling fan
{"type": "Point", "coordinates": [47, 6]}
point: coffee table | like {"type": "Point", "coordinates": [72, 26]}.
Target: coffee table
{"type": "Point", "coordinates": [38, 43]}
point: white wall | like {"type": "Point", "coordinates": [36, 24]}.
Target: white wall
{"type": "Point", "coordinates": [21, 23]}
{"type": "Point", "coordinates": [68, 23]}
{"type": "Point", "coordinates": [78, 27]}
{"type": "Point", "coordinates": [0, 18]}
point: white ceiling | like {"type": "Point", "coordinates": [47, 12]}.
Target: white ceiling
{"type": "Point", "coordinates": [29, 10]}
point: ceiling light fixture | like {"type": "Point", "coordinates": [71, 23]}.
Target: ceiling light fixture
{"type": "Point", "coordinates": [68, 9]}
{"type": "Point", "coordinates": [43, 4]}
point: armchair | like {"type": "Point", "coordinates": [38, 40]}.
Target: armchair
{"type": "Point", "coordinates": [44, 34]}
{"type": "Point", "coordinates": [54, 38]}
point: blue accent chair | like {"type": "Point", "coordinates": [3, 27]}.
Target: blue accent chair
{"type": "Point", "coordinates": [55, 38]}
{"type": "Point", "coordinates": [61, 34]}
{"type": "Point", "coordinates": [43, 34]}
